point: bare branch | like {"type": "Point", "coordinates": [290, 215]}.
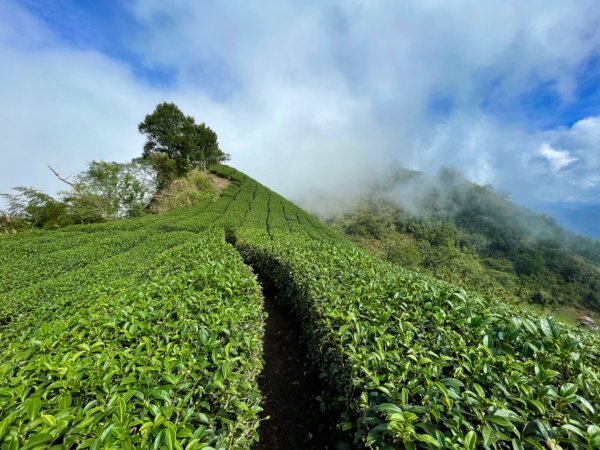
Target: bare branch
{"type": "Point", "coordinates": [60, 178]}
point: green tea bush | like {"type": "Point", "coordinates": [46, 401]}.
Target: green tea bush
{"type": "Point", "coordinates": [54, 297]}
{"type": "Point", "coordinates": [168, 363]}
{"type": "Point", "coordinates": [22, 272]}
{"type": "Point", "coordinates": [147, 333]}
{"type": "Point", "coordinates": [415, 363]}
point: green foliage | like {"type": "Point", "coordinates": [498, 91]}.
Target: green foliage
{"type": "Point", "coordinates": [406, 253]}
{"type": "Point", "coordinates": [368, 225]}
{"type": "Point", "coordinates": [175, 143]}
{"type": "Point", "coordinates": [36, 209]}
{"type": "Point", "coordinates": [10, 224]}
{"type": "Point", "coordinates": [167, 359]}
{"type": "Point", "coordinates": [147, 333]}
{"type": "Point", "coordinates": [468, 235]}
{"type": "Point", "coordinates": [433, 247]}
{"type": "Point", "coordinates": [416, 363]}
{"type": "Point", "coordinates": [166, 168]}
{"type": "Point", "coordinates": [110, 190]}
{"type": "Point", "coordinates": [104, 191]}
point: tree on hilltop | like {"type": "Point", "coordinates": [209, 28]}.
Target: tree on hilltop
{"type": "Point", "coordinates": [175, 143]}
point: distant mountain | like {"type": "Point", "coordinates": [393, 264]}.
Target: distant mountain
{"type": "Point", "coordinates": [581, 218]}
{"type": "Point", "coordinates": [472, 235]}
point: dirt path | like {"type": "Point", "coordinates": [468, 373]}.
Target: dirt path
{"type": "Point", "coordinates": [289, 388]}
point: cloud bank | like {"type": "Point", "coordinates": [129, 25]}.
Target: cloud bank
{"type": "Point", "coordinates": [315, 99]}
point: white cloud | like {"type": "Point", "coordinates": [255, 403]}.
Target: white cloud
{"type": "Point", "coordinates": [578, 177]}
{"type": "Point", "coordinates": [314, 98]}
{"type": "Point", "coordinates": [556, 158]}
{"type": "Point", "coordinates": [61, 106]}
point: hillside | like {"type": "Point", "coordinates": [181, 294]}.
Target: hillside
{"type": "Point", "coordinates": [150, 333]}
{"type": "Point", "coordinates": [470, 235]}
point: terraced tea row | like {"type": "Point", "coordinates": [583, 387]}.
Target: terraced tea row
{"type": "Point", "coordinates": [171, 362]}
{"type": "Point", "coordinates": [24, 309]}
{"type": "Point", "coordinates": [113, 340]}
{"type": "Point", "coordinates": [415, 363]}
{"type": "Point", "coordinates": [147, 333]}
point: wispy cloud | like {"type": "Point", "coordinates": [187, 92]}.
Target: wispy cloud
{"type": "Point", "coordinates": [556, 158]}
{"type": "Point", "coordinates": [315, 98]}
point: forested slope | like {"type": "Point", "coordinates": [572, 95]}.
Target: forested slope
{"type": "Point", "coordinates": [473, 236]}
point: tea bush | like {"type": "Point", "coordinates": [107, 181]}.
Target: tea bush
{"type": "Point", "coordinates": [413, 362]}
{"type": "Point", "coordinates": [170, 362]}
{"type": "Point", "coordinates": [147, 333]}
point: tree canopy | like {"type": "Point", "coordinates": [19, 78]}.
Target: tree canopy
{"type": "Point", "coordinates": [111, 190]}
{"type": "Point", "coordinates": [175, 143]}
{"type": "Point", "coordinates": [30, 207]}
{"type": "Point", "coordinates": [105, 191]}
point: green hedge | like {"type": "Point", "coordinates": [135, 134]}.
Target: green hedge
{"type": "Point", "coordinates": [412, 362]}
{"type": "Point", "coordinates": [168, 363]}
{"type": "Point", "coordinates": [148, 333]}
{"type": "Point", "coordinates": [24, 309]}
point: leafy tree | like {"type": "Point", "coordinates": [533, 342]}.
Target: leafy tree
{"type": "Point", "coordinates": [184, 143]}
{"type": "Point", "coordinates": [106, 190]}
{"type": "Point", "coordinates": [165, 167]}
{"type": "Point", "coordinates": [35, 208]}
{"type": "Point", "coordinates": [110, 190]}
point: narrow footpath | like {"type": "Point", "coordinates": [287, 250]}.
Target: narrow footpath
{"type": "Point", "coordinates": [289, 388]}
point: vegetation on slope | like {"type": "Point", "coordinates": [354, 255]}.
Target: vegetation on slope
{"type": "Point", "coordinates": [175, 143]}
{"type": "Point", "coordinates": [189, 190]}
{"type": "Point", "coordinates": [151, 328]}
{"type": "Point", "coordinates": [416, 363]}
{"type": "Point", "coordinates": [469, 235]}
{"type": "Point", "coordinates": [147, 333]}
{"type": "Point", "coordinates": [170, 173]}
{"type": "Point", "coordinates": [146, 340]}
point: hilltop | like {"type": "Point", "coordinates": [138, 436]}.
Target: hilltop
{"type": "Point", "coordinates": [150, 332]}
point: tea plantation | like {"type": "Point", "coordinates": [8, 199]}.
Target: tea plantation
{"type": "Point", "coordinates": [147, 333]}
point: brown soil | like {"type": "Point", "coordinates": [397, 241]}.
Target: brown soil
{"type": "Point", "coordinates": [289, 388]}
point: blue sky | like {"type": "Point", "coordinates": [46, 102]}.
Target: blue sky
{"type": "Point", "coordinates": [506, 91]}
{"type": "Point", "coordinates": [105, 26]}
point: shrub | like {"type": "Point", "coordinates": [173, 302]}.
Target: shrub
{"type": "Point", "coordinates": [183, 192]}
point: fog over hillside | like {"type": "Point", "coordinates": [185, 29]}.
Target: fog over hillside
{"type": "Point", "coordinates": [581, 218]}
{"type": "Point", "coordinates": [314, 99]}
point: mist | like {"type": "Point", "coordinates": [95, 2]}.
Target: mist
{"type": "Point", "coordinates": [316, 100]}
